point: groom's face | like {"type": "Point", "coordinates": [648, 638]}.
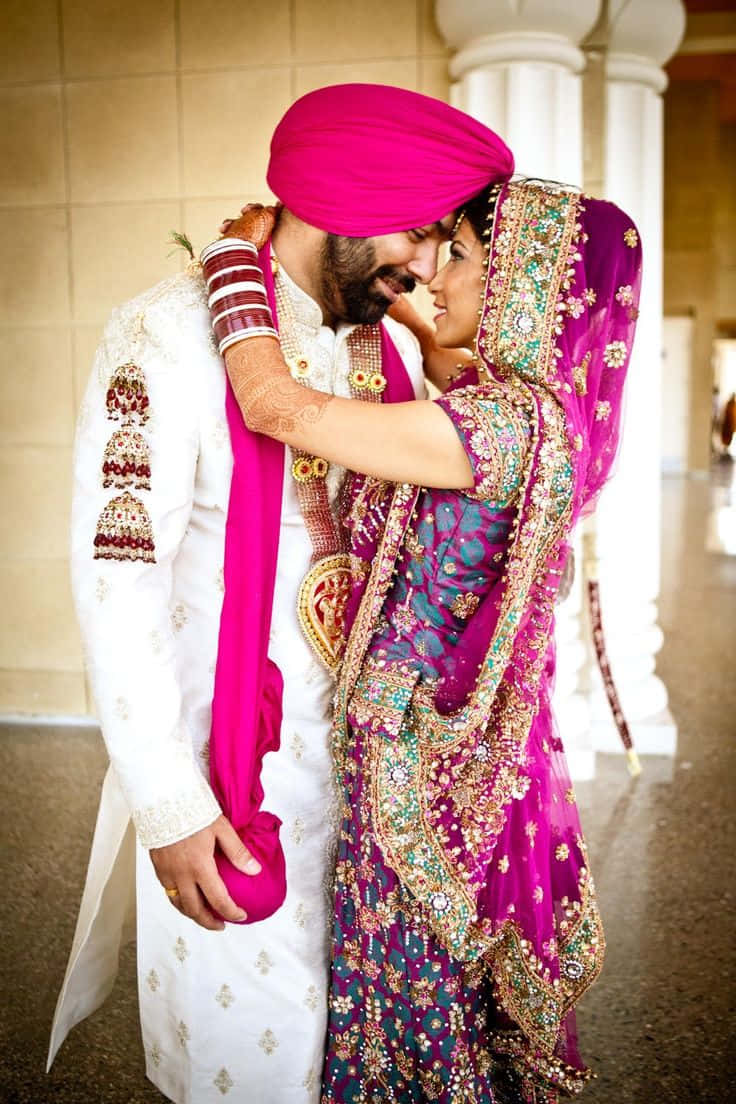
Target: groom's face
{"type": "Point", "coordinates": [362, 277]}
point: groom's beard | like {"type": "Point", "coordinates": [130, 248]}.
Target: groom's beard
{"type": "Point", "coordinates": [349, 277]}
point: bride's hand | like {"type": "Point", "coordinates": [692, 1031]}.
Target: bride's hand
{"type": "Point", "coordinates": [254, 224]}
{"type": "Point", "coordinates": [405, 312]}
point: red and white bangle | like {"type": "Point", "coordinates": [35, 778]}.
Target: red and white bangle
{"type": "Point", "coordinates": [236, 292]}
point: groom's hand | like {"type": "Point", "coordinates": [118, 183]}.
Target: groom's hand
{"type": "Point", "coordinates": [189, 868]}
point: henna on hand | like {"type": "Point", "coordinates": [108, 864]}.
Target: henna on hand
{"type": "Point", "coordinates": [270, 400]}
{"type": "Point", "coordinates": [254, 224]}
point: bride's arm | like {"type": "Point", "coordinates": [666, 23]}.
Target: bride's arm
{"type": "Point", "coordinates": [413, 442]}
{"type": "Point", "coordinates": [441, 366]}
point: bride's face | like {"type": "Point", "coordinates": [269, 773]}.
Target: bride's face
{"type": "Point", "coordinates": [457, 290]}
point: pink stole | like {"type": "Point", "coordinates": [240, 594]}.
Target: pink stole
{"type": "Point", "coordinates": [246, 708]}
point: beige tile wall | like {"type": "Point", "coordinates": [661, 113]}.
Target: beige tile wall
{"type": "Point", "coordinates": [122, 121]}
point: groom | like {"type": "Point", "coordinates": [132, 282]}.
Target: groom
{"type": "Point", "coordinates": [189, 580]}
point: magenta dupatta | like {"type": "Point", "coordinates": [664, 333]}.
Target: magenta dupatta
{"type": "Point", "coordinates": [246, 709]}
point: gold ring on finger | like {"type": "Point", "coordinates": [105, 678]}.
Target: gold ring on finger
{"type": "Point", "coordinates": [171, 892]}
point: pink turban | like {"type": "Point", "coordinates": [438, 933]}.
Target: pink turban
{"type": "Point", "coordinates": [367, 159]}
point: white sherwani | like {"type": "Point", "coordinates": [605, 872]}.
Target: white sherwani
{"type": "Point", "coordinates": [239, 1013]}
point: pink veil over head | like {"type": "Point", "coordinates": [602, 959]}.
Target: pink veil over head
{"type": "Point", "coordinates": [557, 324]}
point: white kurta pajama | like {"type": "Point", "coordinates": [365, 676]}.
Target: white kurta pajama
{"type": "Point", "coordinates": [241, 1013]}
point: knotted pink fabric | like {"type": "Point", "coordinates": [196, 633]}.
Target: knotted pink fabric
{"type": "Point", "coordinates": [368, 159]}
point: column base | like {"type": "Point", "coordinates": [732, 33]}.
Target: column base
{"type": "Point", "coordinates": [581, 764]}
{"type": "Point", "coordinates": [654, 735]}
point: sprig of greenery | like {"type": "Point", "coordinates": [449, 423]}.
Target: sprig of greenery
{"type": "Point", "coordinates": [180, 241]}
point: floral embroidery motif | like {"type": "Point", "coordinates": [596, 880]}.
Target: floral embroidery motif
{"type": "Point", "coordinates": [153, 981]}
{"type": "Point", "coordinates": [102, 589]}
{"type": "Point", "coordinates": [580, 375]}
{"type": "Point", "coordinates": [180, 949]}
{"type": "Point", "coordinates": [220, 433]}
{"type": "Point", "coordinates": [562, 852]}
{"type": "Point", "coordinates": [127, 397]}
{"type": "Point", "coordinates": [297, 831]}
{"type": "Point", "coordinates": [179, 617]}
{"type": "Point", "coordinates": [183, 1034]}
{"type": "Point", "coordinates": [156, 1055]}
{"type": "Point", "coordinates": [297, 745]}
{"type": "Point", "coordinates": [225, 997]}
{"type": "Point", "coordinates": [263, 963]}
{"type": "Point", "coordinates": [631, 238]}
{"type": "Point", "coordinates": [120, 709]}
{"type": "Point", "coordinates": [574, 306]}
{"type": "Point", "coordinates": [124, 531]}
{"type": "Point", "coordinates": [615, 353]}
{"type": "Point", "coordinates": [126, 461]}
{"type": "Point", "coordinates": [220, 580]}
{"type": "Point", "coordinates": [311, 1000]}
{"type": "Point", "coordinates": [310, 1081]}
{"type": "Point", "coordinates": [268, 1042]}
{"type": "Point", "coordinates": [590, 296]}
{"type": "Point", "coordinates": [602, 410]}
{"type": "Point", "coordinates": [625, 295]}
{"type": "Point", "coordinates": [465, 605]}
{"type": "Point", "coordinates": [503, 864]}
{"type": "Point", "coordinates": [301, 915]}
{"type": "Point", "coordinates": [223, 1081]}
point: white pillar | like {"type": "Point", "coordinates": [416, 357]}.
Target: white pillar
{"type": "Point", "coordinates": [641, 36]}
{"type": "Point", "coordinates": [518, 70]}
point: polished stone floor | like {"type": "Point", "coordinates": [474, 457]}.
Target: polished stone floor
{"type": "Point", "coordinates": [657, 1027]}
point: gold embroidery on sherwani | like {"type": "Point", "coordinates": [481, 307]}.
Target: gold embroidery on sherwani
{"type": "Point", "coordinates": [263, 963]}
{"type": "Point", "coordinates": [223, 1081]}
{"type": "Point", "coordinates": [268, 1042]}
{"type": "Point", "coordinates": [180, 949]}
{"type": "Point", "coordinates": [225, 997]}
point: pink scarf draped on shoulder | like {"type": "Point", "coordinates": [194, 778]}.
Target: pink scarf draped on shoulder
{"type": "Point", "coordinates": [328, 166]}
{"type": "Point", "coordinates": [246, 709]}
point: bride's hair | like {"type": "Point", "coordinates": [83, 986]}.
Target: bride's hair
{"type": "Point", "coordinates": [477, 210]}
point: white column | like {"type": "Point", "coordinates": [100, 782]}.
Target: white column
{"type": "Point", "coordinates": [642, 35]}
{"type": "Point", "coordinates": [518, 70]}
